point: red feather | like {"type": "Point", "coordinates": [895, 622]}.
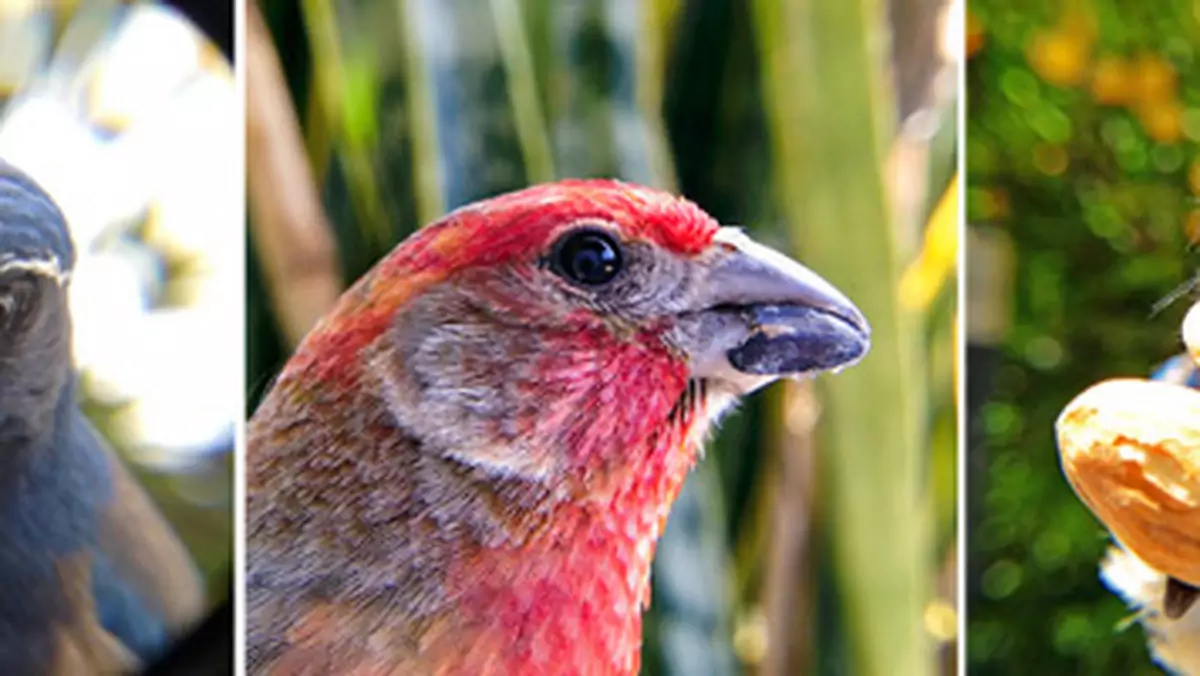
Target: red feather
{"type": "Point", "coordinates": [511, 227]}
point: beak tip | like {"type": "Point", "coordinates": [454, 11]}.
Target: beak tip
{"type": "Point", "coordinates": [858, 320]}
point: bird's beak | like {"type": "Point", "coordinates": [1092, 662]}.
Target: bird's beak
{"type": "Point", "coordinates": [755, 315]}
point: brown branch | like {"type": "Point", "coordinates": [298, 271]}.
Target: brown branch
{"type": "Point", "coordinates": [291, 234]}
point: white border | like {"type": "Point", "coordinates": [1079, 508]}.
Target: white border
{"type": "Point", "coordinates": [239, 453]}
{"type": "Point", "coordinates": [960, 393]}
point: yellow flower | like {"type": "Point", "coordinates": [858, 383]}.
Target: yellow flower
{"type": "Point", "coordinates": [1060, 58]}
{"type": "Point", "coordinates": [1156, 79]}
{"type": "Point", "coordinates": [1113, 81]}
{"type": "Point", "coordinates": [1162, 120]}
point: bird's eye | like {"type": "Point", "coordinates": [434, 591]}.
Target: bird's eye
{"type": "Point", "coordinates": [17, 298]}
{"type": "Point", "coordinates": [588, 257]}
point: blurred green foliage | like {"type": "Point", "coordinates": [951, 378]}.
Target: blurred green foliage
{"type": "Point", "coordinates": [413, 108]}
{"type": "Point", "coordinates": [1083, 129]}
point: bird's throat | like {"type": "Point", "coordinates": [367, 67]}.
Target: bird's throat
{"type": "Point", "coordinates": [571, 600]}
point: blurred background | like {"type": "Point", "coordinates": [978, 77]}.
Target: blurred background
{"type": "Point", "coordinates": [1082, 135]}
{"type": "Point", "coordinates": [817, 535]}
{"type": "Point", "coordinates": [127, 115]}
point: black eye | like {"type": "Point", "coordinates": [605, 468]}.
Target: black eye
{"type": "Point", "coordinates": [18, 298]}
{"type": "Point", "coordinates": [588, 257]}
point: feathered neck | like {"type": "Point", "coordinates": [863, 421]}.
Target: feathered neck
{"type": "Point", "coordinates": [570, 599]}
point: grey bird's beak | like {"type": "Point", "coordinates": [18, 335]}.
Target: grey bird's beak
{"type": "Point", "coordinates": [756, 315]}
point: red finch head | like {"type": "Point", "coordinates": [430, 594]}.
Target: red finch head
{"type": "Point", "coordinates": [465, 466]}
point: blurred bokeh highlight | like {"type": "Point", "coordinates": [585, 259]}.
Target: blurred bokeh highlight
{"type": "Point", "coordinates": [1082, 135]}
{"type": "Point", "coordinates": [817, 536]}
{"type": "Point", "coordinates": [127, 116]}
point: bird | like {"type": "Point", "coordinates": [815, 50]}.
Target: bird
{"type": "Point", "coordinates": [464, 467]}
{"type": "Point", "coordinates": [92, 579]}
{"type": "Point", "coordinates": [1128, 448]}
{"type": "Point", "coordinates": [1165, 604]}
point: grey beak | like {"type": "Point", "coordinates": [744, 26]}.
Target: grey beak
{"type": "Point", "coordinates": [753, 274]}
{"type": "Point", "coordinates": [760, 313]}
